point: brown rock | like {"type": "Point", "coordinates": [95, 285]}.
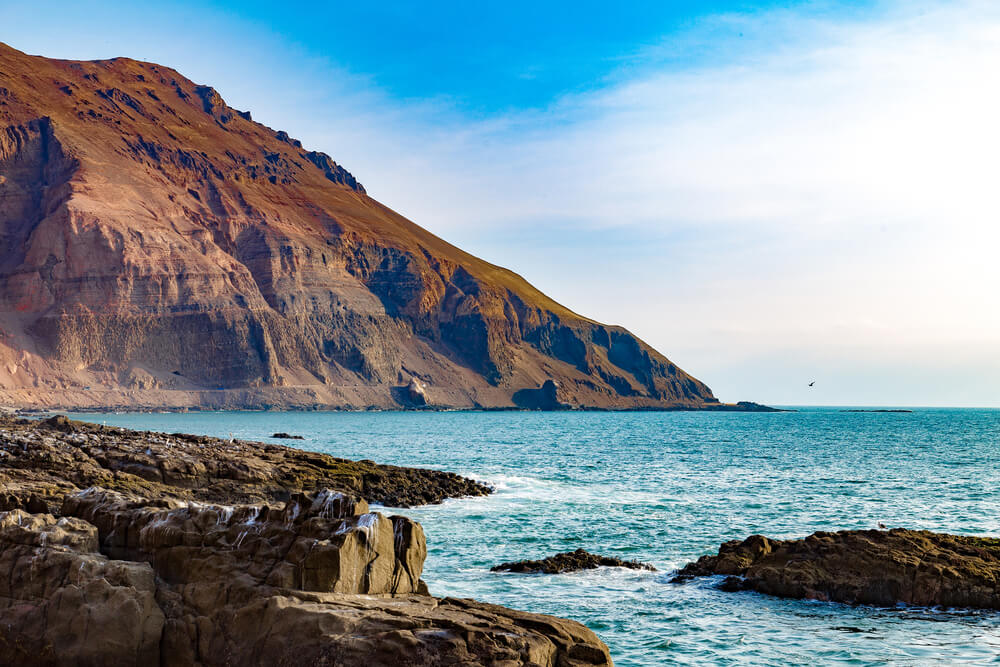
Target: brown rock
{"type": "Point", "coordinates": [45, 461]}
{"type": "Point", "coordinates": [416, 392]}
{"type": "Point", "coordinates": [159, 248]}
{"type": "Point", "coordinates": [66, 604]}
{"type": "Point", "coordinates": [914, 567]}
{"type": "Point", "coordinates": [329, 542]}
{"type": "Point", "coordinates": [174, 567]}
{"type": "Point", "coordinates": [545, 397]}
{"type": "Point", "coordinates": [61, 602]}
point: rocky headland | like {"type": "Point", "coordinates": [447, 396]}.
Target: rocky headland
{"type": "Point", "coordinates": [127, 548]}
{"type": "Point", "coordinates": [875, 567]}
{"type": "Point", "coordinates": [160, 249]}
{"type": "Point", "coordinates": [569, 561]}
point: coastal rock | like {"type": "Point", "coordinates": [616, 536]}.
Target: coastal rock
{"type": "Point", "coordinates": [156, 569]}
{"type": "Point", "coordinates": [914, 567]}
{"type": "Point", "coordinates": [416, 392]}
{"type": "Point", "coordinates": [44, 461]}
{"type": "Point", "coordinates": [287, 436]}
{"type": "Point", "coordinates": [65, 603]}
{"type": "Point", "coordinates": [414, 630]}
{"type": "Point", "coordinates": [570, 561]}
{"type": "Point", "coordinates": [545, 397]}
{"type": "Point", "coordinates": [328, 543]}
{"type": "Point", "coordinates": [61, 602]}
{"type": "Point", "coordinates": [158, 248]}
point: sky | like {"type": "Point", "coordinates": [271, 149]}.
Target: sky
{"type": "Point", "coordinates": [769, 193]}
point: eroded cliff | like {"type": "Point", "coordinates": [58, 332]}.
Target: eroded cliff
{"type": "Point", "coordinates": [162, 249]}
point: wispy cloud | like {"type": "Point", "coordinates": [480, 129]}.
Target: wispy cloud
{"type": "Point", "coordinates": [827, 183]}
{"type": "Point", "coordinates": [764, 196]}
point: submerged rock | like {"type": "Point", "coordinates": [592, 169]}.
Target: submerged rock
{"type": "Point", "coordinates": [281, 435]}
{"type": "Point", "coordinates": [570, 561]}
{"type": "Point", "coordinates": [914, 567]}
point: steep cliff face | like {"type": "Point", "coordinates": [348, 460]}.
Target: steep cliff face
{"type": "Point", "coordinates": [158, 248]}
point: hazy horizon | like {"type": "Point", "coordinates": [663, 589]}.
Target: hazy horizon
{"type": "Point", "coordinates": [769, 196]}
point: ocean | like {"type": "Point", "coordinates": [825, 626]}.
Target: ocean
{"type": "Point", "coordinates": [665, 488]}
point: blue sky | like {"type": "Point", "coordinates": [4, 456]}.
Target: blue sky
{"type": "Point", "coordinates": [483, 58]}
{"type": "Point", "coordinates": [769, 193]}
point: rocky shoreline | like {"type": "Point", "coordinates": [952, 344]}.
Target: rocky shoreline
{"type": "Point", "coordinates": [86, 408]}
{"type": "Point", "coordinates": [874, 567]}
{"type": "Point", "coordinates": [126, 548]}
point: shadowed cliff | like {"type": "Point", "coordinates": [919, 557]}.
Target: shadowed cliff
{"type": "Point", "coordinates": [161, 249]}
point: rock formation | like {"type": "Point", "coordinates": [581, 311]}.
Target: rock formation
{"type": "Point", "coordinates": [545, 397]}
{"type": "Point", "coordinates": [43, 461]}
{"type": "Point", "coordinates": [914, 567]}
{"type": "Point", "coordinates": [149, 575]}
{"type": "Point", "coordinates": [161, 249]}
{"type": "Point", "coordinates": [570, 561]}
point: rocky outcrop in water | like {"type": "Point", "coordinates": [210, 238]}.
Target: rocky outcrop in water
{"type": "Point", "coordinates": [161, 249]}
{"type": "Point", "coordinates": [570, 561]}
{"type": "Point", "coordinates": [43, 461]}
{"type": "Point", "coordinates": [544, 397]}
{"type": "Point", "coordinates": [157, 571]}
{"type": "Point", "coordinates": [914, 567]}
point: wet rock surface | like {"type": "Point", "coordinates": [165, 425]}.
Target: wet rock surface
{"type": "Point", "coordinates": [914, 567]}
{"type": "Point", "coordinates": [209, 560]}
{"type": "Point", "coordinates": [570, 561]}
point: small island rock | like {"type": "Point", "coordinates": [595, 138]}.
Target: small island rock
{"type": "Point", "coordinates": [570, 561]}
{"type": "Point", "coordinates": [914, 567]}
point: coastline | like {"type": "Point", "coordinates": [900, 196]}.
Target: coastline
{"type": "Point", "coordinates": [742, 406]}
{"type": "Point", "coordinates": [187, 545]}
{"type": "Point", "coordinates": [552, 497]}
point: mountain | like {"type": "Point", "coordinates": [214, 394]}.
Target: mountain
{"type": "Point", "coordinates": [161, 249]}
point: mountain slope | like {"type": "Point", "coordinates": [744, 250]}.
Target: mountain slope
{"type": "Point", "coordinates": [158, 248]}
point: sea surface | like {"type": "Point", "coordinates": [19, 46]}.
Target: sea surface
{"type": "Point", "coordinates": [667, 488]}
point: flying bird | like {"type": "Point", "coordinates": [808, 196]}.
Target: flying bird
{"type": "Point", "coordinates": [812, 383]}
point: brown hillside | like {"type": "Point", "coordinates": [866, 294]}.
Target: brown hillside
{"type": "Point", "coordinates": [161, 249]}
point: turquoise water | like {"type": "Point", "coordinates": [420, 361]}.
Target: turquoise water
{"type": "Point", "coordinates": [667, 488]}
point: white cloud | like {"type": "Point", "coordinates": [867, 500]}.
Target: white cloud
{"type": "Point", "coordinates": [816, 196]}
{"type": "Point", "coordinates": [855, 165]}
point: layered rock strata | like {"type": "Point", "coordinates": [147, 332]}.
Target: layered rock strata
{"type": "Point", "coordinates": [161, 249]}
{"type": "Point", "coordinates": [914, 567]}
{"type": "Point", "coordinates": [118, 577]}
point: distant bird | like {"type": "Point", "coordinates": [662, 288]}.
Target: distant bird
{"type": "Point", "coordinates": [812, 383]}
{"type": "Point", "coordinates": [881, 526]}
